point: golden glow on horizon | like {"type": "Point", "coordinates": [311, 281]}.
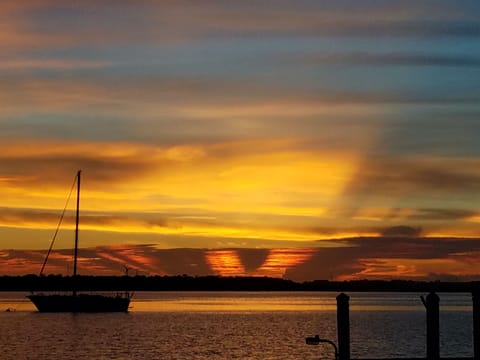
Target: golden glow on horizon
{"type": "Point", "coordinates": [227, 180]}
{"type": "Point", "coordinates": [253, 189]}
{"type": "Point", "coordinates": [208, 230]}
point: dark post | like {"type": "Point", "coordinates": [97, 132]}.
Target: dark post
{"type": "Point", "coordinates": [476, 323]}
{"type": "Point", "coordinates": [433, 326]}
{"type": "Point", "coordinates": [343, 326]}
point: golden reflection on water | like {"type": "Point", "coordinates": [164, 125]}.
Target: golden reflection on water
{"type": "Point", "coordinates": [229, 301]}
{"type": "Point", "coordinates": [230, 305]}
{"type": "Point", "coordinates": [262, 305]}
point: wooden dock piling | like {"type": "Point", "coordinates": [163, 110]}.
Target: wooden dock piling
{"type": "Point", "coordinates": [433, 326]}
{"type": "Point", "coordinates": [432, 306]}
{"type": "Point", "coordinates": [476, 323]}
{"type": "Point", "coordinates": [343, 326]}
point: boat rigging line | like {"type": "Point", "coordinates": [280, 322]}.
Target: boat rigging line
{"type": "Point", "coordinates": [58, 226]}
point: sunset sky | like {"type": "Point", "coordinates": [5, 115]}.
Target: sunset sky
{"type": "Point", "coordinates": [314, 139]}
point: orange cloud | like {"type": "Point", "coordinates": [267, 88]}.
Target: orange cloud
{"type": "Point", "coordinates": [50, 64]}
{"type": "Point", "coordinates": [229, 263]}
{"type": "Point", "coordinates": [404, 268]}
{"type": "Point", "coordinates": [373, 258]}
{"type": "Point", "coordinates": [130, 257]}
{"type": "Point", "coordinates": [279, 261]}
{"type": "Point", "coordinates": [225, 262]}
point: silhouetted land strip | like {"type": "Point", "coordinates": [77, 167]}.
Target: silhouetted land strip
{"type": "Point", "coordinates": [218, 283]}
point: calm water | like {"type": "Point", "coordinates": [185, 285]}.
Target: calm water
{"type": "Point", "coordinates": [229, 325]}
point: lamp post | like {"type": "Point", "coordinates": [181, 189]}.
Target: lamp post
{"type": "Point", "coordinates": [315, 340]}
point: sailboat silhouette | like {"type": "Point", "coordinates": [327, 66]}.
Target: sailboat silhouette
{"type": "Point", "coordinates": [76, 302]}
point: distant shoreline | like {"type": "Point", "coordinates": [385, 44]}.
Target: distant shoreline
{"type": "Point", "coordinates": [218, 283]}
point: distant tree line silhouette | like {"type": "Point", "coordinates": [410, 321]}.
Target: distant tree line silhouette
{"type": "Point", "coordinates": [220, 283]}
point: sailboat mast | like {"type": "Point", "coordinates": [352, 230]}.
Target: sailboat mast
{"type": "Point", "coordinates": [77, 217]}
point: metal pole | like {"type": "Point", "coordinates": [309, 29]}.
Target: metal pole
{"type": "Point", "coordinates": [343, 326]}
{"type": "Point", "coordinates": [315, 340]}
{"type": "Point", "coordinates": [75, 254]}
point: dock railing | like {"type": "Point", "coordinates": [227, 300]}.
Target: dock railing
{"type": "Point", "coordinates": [432, 308]}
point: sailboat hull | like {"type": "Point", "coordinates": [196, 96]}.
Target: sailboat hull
{"type": "Point", "coordinates": [85, 303]}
